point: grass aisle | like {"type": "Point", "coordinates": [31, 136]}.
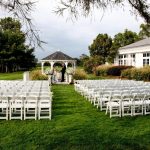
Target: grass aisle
{"type": "Point", "coordinates": [76, 125]}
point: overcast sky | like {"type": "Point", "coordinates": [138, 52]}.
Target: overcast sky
{"type": "Point", "coordinates": [73, 38]}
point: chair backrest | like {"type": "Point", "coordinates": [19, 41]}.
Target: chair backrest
{"type": "Point", "coordinates": [31, 99]}
{"type": "Point", "coordinates": [3, 99]}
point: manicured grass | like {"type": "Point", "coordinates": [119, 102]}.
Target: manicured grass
{"type": "Point", "coordinates": [76, 125]}
{"type": "Point", "coordinates": [11, 76]}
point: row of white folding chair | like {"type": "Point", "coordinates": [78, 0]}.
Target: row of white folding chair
{"type": "Point", "coordinates": [130, 104]}
{"type": "Point", "coordinates": [31, 106]}
{"type": "Point", "coordinates": [104, 98]}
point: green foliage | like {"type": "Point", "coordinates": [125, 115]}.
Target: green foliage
{"type": "Point", "coordinates": [37, 75]}
{"type": "Point", "coordinates": [79, 74]}
{"type": "Point", "coordinates": [144, 31]}
{"type": "Point", "coordinates": [91, 64]}
{"type": "Point", "coordinates": [102, 70]}
{"type": "Point", "coordinates": [101, 47]}
{"type": "Point", "coordinates": [125, 38]}
{"type": "Point", "coordinates": [137, 73]}
{"type": "Point", "coordinates": [14, 54]}
{"type": "Point", "coordinates": [105, 70]}
{"type": "Point", "coordinates": [83, 59]}
{"type": "Point", "coordinates": [126, 73]}
{"type": "Point", "coordinates": [107, 48]}
{"type": "Point", "coordinates": [116, 70]}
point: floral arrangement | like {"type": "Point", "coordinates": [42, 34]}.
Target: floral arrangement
{"type": "Point", "coordinates": [70, 71]}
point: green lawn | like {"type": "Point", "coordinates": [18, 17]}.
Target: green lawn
{"type": "Point", "coordinates": [11, 76]}
{"type": "Point", "coordinates": [76, 125]}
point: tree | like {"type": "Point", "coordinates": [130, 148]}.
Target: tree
{"type": "Point", "coordinates": [83, 58]}
{"type": "Point", "coordinates": [125, 38]}
{"type": "Point", "coordinates": [140, 7]}
{"type": "Point", "coordinates": [101, 46]}
{"type": "Point", "coordinates": [14, 54]}
{"type": "Point", "coordinates": [91, 63]}
{"type": "Point", "coordinates": [145, 31]}
{"type": "Point", "coordinates": [120, 40]}
{"type": "Point", "coordinates": [22, 11]}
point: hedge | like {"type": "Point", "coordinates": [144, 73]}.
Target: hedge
{"type": "Point", "coordinates": [137, 73]}
{"type": "Point", "coordinates": [105, 70]}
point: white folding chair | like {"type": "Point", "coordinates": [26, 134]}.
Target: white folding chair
{"type": "Point", "coordinates": [4, 106]}
{"type": "Point", "coordinates": [44, 107]}
{"type": "Point", "coordinates": [30, 107]}
{"type": "Point", "coordinates": [137, 104]}
{"type": "Point", "coordinates": [126, 102]}
{"type": "Point", "coordinates": [114, 104]}
{"type": "Point", "coordinates": [16, 108]}
{"type": "Point", "coordinates": [147, 104]}
{"type": "Point", "coordinates": [104, 98]}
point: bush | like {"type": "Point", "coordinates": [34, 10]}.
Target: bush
{"type": "Point", "coordinates": [105, 70]}
{"type": "Point", "coordinates": [91, 64]}
{"type": "Point", "coordinates": [126, 73]}
{"type": "Point", "coordinates": [116, 70]}
{"type": "Point", "coordinates": [37, 75]}
{"type": "Point", "coordinates": [137, 73]}
{"type": "Point", "coordinates": [79, 74]}
{"type": "Point", "coordinates": [102, 70]}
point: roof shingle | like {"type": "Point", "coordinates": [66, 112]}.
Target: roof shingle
{"type": "Point", "coordinates": [140, 43]}
{"type": "Point", "coordinates": [58, 56]}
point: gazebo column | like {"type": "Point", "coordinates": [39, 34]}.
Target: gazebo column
{"type": "Point", "coordinates": [52, 64]}
{"type": "Point", "coordinates": [74, 65]}
{"type": "Point", "coordinates": [42, 67]}
{"type": "Point", "coordinates": [66, 74]}
{"type": "Point", "coordinates": [66, 64]}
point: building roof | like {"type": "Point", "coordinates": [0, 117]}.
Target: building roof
{"type": "Point", "coordinates": [140, 43]}
{"type": "Point", "coordinates": [58, 55]}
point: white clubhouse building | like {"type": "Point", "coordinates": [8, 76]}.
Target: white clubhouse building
{"type": "Point", "coordinates": [136, 54]}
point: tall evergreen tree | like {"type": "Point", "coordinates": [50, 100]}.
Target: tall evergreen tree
{"type": "Point", "coordinates": [13, 50]}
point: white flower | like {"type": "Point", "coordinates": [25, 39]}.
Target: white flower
{"type": "Point", "coordinates": [70, 70]}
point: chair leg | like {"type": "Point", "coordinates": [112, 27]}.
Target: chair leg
{"type": "Point", "coordinates": [21, 114]}
{"type": "Point", "coordinates": [10, 111]}
{"type": "Point", "coordinates": [24, 113]}
{"type": "Point", "coordinates": [35, 113]}
{"type": "Point", "coordinates": [39, 113]}
{"type": "Point", "coordinates": [7, 113]}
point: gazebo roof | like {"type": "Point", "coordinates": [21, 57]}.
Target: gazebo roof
{"type": "Point", "coordinates": [58, 55]}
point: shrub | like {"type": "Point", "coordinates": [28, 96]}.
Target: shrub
{"type": "Point", "coordinates": [126, 73]}
{"type": "Point", "coordinates": [146, 73]}
{"type": "Point", "coordinates": [79, 74]}
{"type": "Point", "coordinates": [105, 70]}
{"type": "Point", "coordinates": [137, 73]}
{"type": "Point", "coordinates": [91, 64]}
{"type": "Point", "coordinates": [116, 70]}
{"type": "Point", "coordinates": [102, 70]}
{"type": "Point", "coordinates": [37, 75]}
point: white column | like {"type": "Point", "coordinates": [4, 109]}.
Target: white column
{"type": "Point", "coordinates": [74, 65]}
{"type": "Point", "coordinates": [129, 60]}
{"type": "Point", "coordinates": [139, 60]}
{"type": "Point", "coordinates": [116, 61]}
{"type": "Point", "coordinates": [66, 64]}
{"type": "Point", "coordinates": [52, 64]}
{"type": "Point", "coordinates": [42, 67]}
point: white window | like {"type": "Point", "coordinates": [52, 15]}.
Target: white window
{"type": "Point", "coordinates": [146, 59]}
{"type": "Point", "coordinates": [146, 54]}
{"type": "Point", "coordinates": [145, 62]}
